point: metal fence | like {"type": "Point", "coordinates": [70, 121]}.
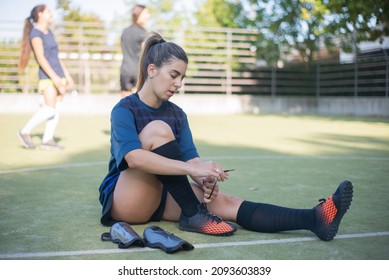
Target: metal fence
{"type": "Point", "coordinates": [222, 61]}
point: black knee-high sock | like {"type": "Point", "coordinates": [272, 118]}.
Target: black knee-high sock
{"type": "Point", "coordinates": [262, 217]}
{"type": "Point", "coordinates": [178, 185]}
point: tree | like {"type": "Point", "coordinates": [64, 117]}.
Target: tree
{"type": "Point", "coordinates": [167, 13]}
{"type": "Point", "coordinates": [220, 13]}
{"type": "Point", "coordinates": [72, 13]}
{"type": "Point", "coordinates": [91, 34]}
{"type": "Point", "coordinates": [288, 26]}
{"type": "Point", "coordinates": [358, 20]}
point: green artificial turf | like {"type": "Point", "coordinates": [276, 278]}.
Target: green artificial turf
{"type": "Point", "coordinates": [49, 200]}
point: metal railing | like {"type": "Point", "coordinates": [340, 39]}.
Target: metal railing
{"type": "Point", "coordinates": [222, 61]}
{"type": "Point", "coordinates": [94, 60]}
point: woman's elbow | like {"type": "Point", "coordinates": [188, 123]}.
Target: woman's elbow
{"type": "Point", "coordinates": [132, 159]}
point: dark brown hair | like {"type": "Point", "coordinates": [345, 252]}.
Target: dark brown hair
{"type": "Point", "coordinates": [25, 49]}
{"type": "Point", "coordinates": [158, 52]}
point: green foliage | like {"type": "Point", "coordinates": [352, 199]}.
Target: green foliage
{"type": "Point", "coordinates": [88, 35]}
{"type": "Point", "coordinates": [9, 51]}
{"type": "Point", "coordinates": [73, 13]}
{"type": "Point", "coordinates": [302, 25]}
{"type": "Point", "coordinates": [164, 14]}
{"type": "Point", "coordinates": [286, 26]}
{"type": "Point", "coordinates": [358, 20]}
{"type": "Point", "coordinates": [220, 13]}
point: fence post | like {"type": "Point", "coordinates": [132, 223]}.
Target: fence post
{"type": "Point", "coordinates": [273, 80]}
{"type": "Point", "coordinates": [229, 61]}
{"type": "Point", "coordinates": [355, 51]}
{"type": "Point", "coordinates": [318, 68]}
{"type": "Point", "coordinates": [386, 72]}
{"type": "Point", "coordinates": [181, 42]}
{"type": "Point", "coordinates": [318, 79]}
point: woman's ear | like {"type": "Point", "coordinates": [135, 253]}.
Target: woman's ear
{"type": "Point", "coordinates": [151, 70]}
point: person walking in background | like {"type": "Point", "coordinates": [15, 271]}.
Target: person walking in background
{"type": "Point", "coordinates": [54, 79]}
{"type": "Point", "coordinates": [131, 40]}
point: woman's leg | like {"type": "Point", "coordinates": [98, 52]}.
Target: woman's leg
{"type": "Point", "coordinates": [138, 195]}
{"type": "Point", "coordinates": [46, 112]}
{"type": "Point", "coordinates": [51, 125]}
{"type": "Point", "coordinates": [323, 220]}
{"type": "Point", "coordinates": [225, 206]}
{"type": "Point", "coordinates": [50, 95]}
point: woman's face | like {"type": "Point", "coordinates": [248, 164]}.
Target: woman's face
{"type": "Point", "coordinates": [45, 16]}
{"type": "Point", "coordinates": [167, 79]}
{"type": "Point", "coordinates": [143, 17]}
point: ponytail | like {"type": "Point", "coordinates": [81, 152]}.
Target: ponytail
{"type": "Point", "coordinates": [158, 52]}
{"type": "Point", "coordinates": [25, 48]}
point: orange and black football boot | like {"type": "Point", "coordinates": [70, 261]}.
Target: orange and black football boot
{"type": "Point", "coordinates": [330, 211]}
{"type": "Point", "coordinates": [206, 223]}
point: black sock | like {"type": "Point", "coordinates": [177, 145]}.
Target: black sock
{"type": "Point", "coordinates": [262, 217]}
{"type": "Point", "coordinates": [178, 185]}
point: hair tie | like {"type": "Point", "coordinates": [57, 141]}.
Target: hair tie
{"type": "Point", "coordinates": [31, 20]}
{"type": "Point", "coordinates": [161, 41]}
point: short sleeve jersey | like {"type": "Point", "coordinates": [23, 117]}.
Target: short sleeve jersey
{"type": "Point", "coordinates": [128, 118]}
{"type": "Point", "coordinates": [50, 49]}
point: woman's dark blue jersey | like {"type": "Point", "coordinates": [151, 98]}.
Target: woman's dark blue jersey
{"type": "Point", "coordinates": [128, 118]}
{"type": "Point", "coordinates": [50, 50]}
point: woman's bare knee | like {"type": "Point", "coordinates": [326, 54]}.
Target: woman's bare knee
{"type": "Point", "coordinates": [50, 96]}
{"type": "Point", "coordinates": [155, 134]}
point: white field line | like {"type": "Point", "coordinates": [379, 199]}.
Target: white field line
{"type": "Point", "coordinates": [271, 157]}
{"type": "Point", "coordinates": [49, 167]}
{"type": "Point", "coordinates": [197, 246]}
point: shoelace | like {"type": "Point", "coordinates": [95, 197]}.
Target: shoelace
{"type": "Point", "coordinates": [204, 212]}
{"type": "Point", "coordinates": [321, 200]}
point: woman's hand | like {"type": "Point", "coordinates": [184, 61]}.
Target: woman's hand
{"type": "Point", "coordinates": [69, 79]}
{"type": "Point", "coordinates": [210, 188]}
{"type": "Point", "coordinates": [59, 84]}
{"type": "Point", "coordinates": [70, 83]}
{"type": "Point", "coordinates": [208, 169]}
{"type": "Point", "coordinates": [207, 175]}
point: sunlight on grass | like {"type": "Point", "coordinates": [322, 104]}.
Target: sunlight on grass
{"type": "Point", "coordinates": [292, 135]}
{"type": "Point", "coordinates": [84, 137]}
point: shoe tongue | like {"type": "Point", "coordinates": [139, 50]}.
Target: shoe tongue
{"type": "Point", "coordinates": [204, 210]}
{"type": "Point", "coordinates": [217, 219]}
{"type": "Point", "coordinates": [214, 217]}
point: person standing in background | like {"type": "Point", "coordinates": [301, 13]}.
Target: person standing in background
{"type": "Point", "coordinates": [132, 40]}
{"type": "Point", "coordinates": [54, 79]}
